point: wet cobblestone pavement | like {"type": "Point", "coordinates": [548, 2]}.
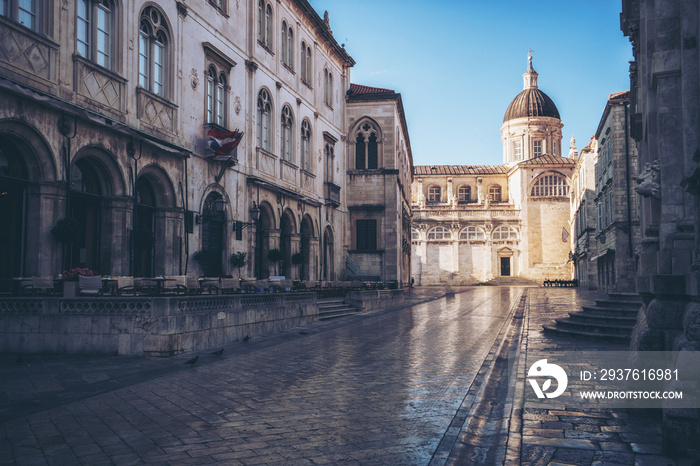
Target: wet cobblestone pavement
{"type": "Point", "coordinates": [396, 386]}
{"type": "Point", "coordinates": [577, 436]}
{"type": "Point", "coordinates": [379, 388]}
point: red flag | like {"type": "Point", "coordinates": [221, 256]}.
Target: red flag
{"type": "Point", "coordinates": [224, 143]}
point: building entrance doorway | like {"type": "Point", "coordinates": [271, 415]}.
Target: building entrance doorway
{"type": "Point", "coordinates": [505, 266]}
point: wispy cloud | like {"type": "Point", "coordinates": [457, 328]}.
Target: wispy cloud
{"type": "Point", "coordinates": [378, 72]}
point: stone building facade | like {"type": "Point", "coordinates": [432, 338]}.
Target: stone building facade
{"type": "Point", "coordinates": [583, 215]}
{"type": "Point", "coordinates": [664, 106]}
{"type": "Point", "coordinates": [379, 181]}
{"type": "Point", "coordinates": [617, 218]}
{"type": "Point", "coordinates": [105, 111]}
{"type": "Point", "coordinates": [474, 223]}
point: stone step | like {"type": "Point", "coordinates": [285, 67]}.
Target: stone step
{"type": "Point", "coordinates": [585, 335]}
{"type": "Point", "coordinates": [334, 308]}
{"type": "Point", "coordinates": [618, 304]}
{"type": "Point", "coordinates": [625, 297]}
{"type": "Point", "coordinates": [611, 311]}
{"type": "Point", "coordinates": [601, 318]}
{"type": "Point", "coordinates": [602, 328]}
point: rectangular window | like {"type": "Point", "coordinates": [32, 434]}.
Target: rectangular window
{"type": "Point", "coordinates": [83, 29]}
{"type": "Point", "coordinates": [599, 216]}
{"type": "Point", "coordinates": [518, 150]}
{"type": "Point", "coordinates": [158, 65]}
{"type": "Point", "coordinates": [3, 7]}
{"type": "Point", "coordinates": [143, 60]}
{"type": "Point", "coordinates": [26, 14]}
{"type": "Point", "coordinates": [220, 95]}
{"type": "Point", "coordinates": [103, 44]}
{"type": "Point", "coordinates": [366, 235]}
{"type": "Point", "coordinates": [537, 148]}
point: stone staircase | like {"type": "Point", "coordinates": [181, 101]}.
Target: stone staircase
{"type": "Point", "coordinates": [610, 319]}
{"type": "Point", "coordinates": [509, 281]}
{"type": "Point", "coordinates": [331, 308]}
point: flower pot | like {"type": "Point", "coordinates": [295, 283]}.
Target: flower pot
{"type": "Point", "coordinates": [70, 289]}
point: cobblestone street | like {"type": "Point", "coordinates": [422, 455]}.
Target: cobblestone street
{"type": "Point", "coordinates": [387, 387]}
{"type": "Point", "coordinates": [373, 389]}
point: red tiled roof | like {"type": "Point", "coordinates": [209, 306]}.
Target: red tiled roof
{"type": "Point", "coordinates": [359, 89]}
{"type": "Point", "coordinates": [620, 95]}
{"type": "Point", "coordinates": [419, 170]}
{"type": "Point", "coordinates": [547, 159]}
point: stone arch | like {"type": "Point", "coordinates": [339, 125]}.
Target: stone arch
{"type": "Point", "coordinates": [37, 157]}
{"type": "Point", "coordinates": [328, 272]}
{"type": "Point", "coordinates": [537, 187]}
{"type": "Point", "coordinates": [164, 191]}
{"type": "Point", "coordinates": [366, 140]}
{"type": "Point", "coordinates": [288, 236]}
{"type": "Point", "coordinates": [306, 246]}
{"type": "Point", "coordinates": [152, 234]}
{"type": "Point", "coordinates": [265, 226]}
{"type": "Point", "coordinates": [104, 166]}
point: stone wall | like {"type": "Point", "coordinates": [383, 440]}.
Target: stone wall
{"type": "Point", "coordinates": [146, 326]}
{"type": "Point", "coordinates": [374, 299]}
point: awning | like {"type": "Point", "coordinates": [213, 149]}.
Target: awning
{"type": "Point", "coordinates": [280, 190]}
{"type": "Point", "coordinates": [598, 256]}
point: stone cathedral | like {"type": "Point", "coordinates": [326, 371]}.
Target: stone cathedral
{"type": "Point", "coordinates": [475, 223]}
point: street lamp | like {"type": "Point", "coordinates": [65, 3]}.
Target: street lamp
{"type": "Point", "coordinates": [254, 215]}
{"type": "Point", "coordinates": [209, 214]}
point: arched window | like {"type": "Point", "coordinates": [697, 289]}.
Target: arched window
{"type": "Point", "coordinates": [216, 97]}
{"type": "Point", "coordinates": [434, 194]}
{"type": "Point", "coordinates": [328, 87]}
{"type": "Point", "coordinates": [439, 233]}
{"type": "Point", "coordinates": [265, 24]}
{"type": "Point", "coordinates": [308, 73]}
{"type": "Point", "coordinates": [504, 232]}
{"type": "Point", "coordinates": [372, 151]}
{"type": "Point", "coordinates": [367, 148]}
{"type": "Point", "coordinates": [153, 51]}
{"type": "Point", "coordinates": [329, 149]}
{"type": "Point", "coordinates": [95, 31]}
{"type": "Point", "coordinates": [264, 112]}
{"type": "Point", "coordinates": [287, 45]}
{"type": "Point", "coordinates": [552, 185]}
{"type": "Point", "coordinates": [472, 233]}
{"type": "Point", "coordinates": [286, 135]}
{"type": "Point", "coordinates": [305, 145]}
{"type": "Point", "coordinates": [495, 193]}
{"type": "Point", "coordinates": [415, 234]}
{"type": "Point", "coordinates": [360, 152]}
{"type": "Point", "coordinates": [304, 78]}
{"type": "Point", "coordinates": [464, 194]}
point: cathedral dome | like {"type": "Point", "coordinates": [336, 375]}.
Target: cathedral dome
{"type": "Point", "coordinates": [531, 103]}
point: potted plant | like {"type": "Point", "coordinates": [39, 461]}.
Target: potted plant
{"type": "Point", "coordinates": [68, 231]}
{"type": "Point", "coordinates": [237, 261]}
{"type": "Point", "coordinates": [275, 256]}
{"type": "Point", "coordinates": [297, 259]}
{"type": "Point", "coordinates": [209, 262]}
{"type": "Point", "coordinates": [70, 280]}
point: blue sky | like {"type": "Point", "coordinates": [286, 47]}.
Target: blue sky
{"type": "Point", "coordinates": [459, 64]}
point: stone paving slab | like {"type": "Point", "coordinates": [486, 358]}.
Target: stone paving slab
{"type": "Point", "coordinates": [377, 388]}
{"type": "Point", "coordinates": [575, 436]}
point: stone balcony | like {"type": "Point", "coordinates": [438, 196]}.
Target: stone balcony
{"type": "Point", "coordinates": [450, 213]}
{"type": "Point", "coordinates": [332, 193]}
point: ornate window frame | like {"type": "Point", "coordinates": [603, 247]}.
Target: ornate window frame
{"type": "Point", "coordinates": [155, 52]}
